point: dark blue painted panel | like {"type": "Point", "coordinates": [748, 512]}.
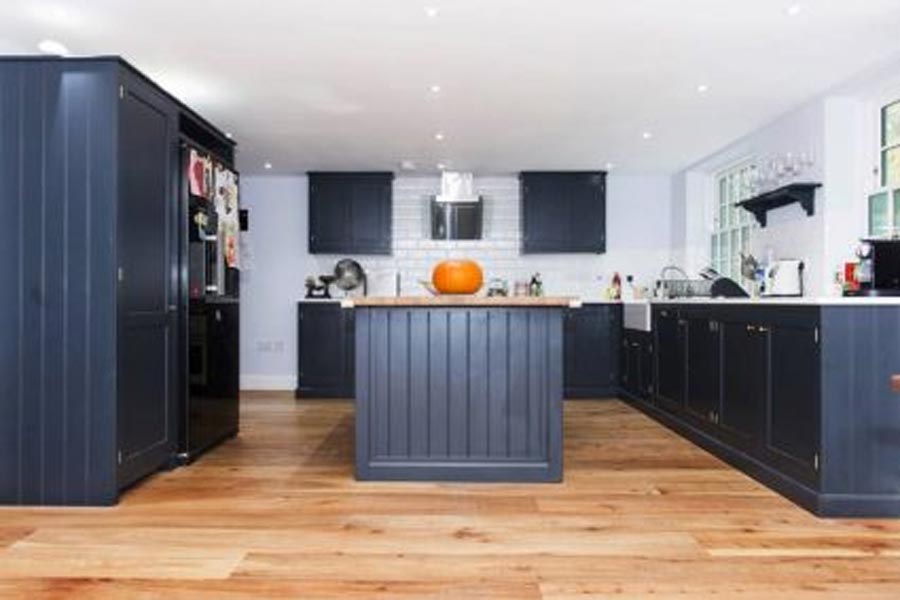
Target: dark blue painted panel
{"type": "Point", "coordinates": [459, 393]}
{"type": "Point", "coordinates": [57, 184]}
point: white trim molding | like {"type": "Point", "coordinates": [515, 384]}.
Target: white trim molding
{"type": "Point", "coordinates": [268, 383]}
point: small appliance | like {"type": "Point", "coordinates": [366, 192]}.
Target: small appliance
{"type": "Point", "coordinates": [784, 277]}
{"type": "Point", "coordinates": [879, 267]}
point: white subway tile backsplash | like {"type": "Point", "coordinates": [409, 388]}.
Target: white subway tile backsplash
{"type": "Point", "coordinates": [414, 253]}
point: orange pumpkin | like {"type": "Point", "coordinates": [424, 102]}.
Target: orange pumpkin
{"type": "Point", "coordinates": [457, 277]}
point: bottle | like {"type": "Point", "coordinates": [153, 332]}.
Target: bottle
{"type": "Point", "coordinates": [616, 291]}
{"type": "Point", "coordinates": [628, 292]}
{"type": "Point", "coordinates": [536, 287]}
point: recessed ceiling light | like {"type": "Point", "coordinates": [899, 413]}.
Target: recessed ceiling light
{"type": "Point", "coordinates": [435, 89]}
{"type": "Point", "coordinates": [439, 136]}
{"type": "Point", "coordinates": [441, 166]}
{"type": "Point", "coordinates": [407, 165]}
{"type": "Point", "coordinates": [431, 11]}
{"type": "Point", "coordinates": [267, 166]}
{"type": "Point", "coordinates": [793, 10]}
{"type": "Point", "coordinates": [702, 88]}
{"type": "Point", "coordinates": [609, 166]}
{"type": "Point", "coordinates": [53, 47]}
{"type": "Point", "coordinates": [229, 135]}
{"type": "Point", "coordinates": [647, 135]}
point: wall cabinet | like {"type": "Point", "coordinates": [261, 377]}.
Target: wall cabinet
{"type": "Point", "coordinates": [591, 339]}
{"type": "Point", "coordinates": [563, 212]}
{"type": "Point", "coordinates": [325, 350]}
{"type": "Point", "coordinates": [350, 213]}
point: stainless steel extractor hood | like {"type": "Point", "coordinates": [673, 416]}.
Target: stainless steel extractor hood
{"type": "Point", "coordinates": [456, 214]}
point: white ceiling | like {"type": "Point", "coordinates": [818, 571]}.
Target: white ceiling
{"type": "Point", "coordinates": [344, 84]}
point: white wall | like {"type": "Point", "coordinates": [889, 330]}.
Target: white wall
{"type": "Point", "coordinates": [838, 127]}
{"type": "Point", "coordinates": [276, 258]}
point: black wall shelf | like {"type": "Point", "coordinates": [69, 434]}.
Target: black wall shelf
{"type": "Point", "coordinates": [802, 193]}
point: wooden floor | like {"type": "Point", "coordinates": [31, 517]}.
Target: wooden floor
{"type": "Point", "coordinates": [276, 512]}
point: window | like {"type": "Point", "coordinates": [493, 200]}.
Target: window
{"type": "Point", "coordinates": [890, 145]}
{"type": "Point", "coordinates": [731, 233]}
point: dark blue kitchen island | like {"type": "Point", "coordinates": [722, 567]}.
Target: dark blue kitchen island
{"type": "Point", "coordinates": [459, 388]}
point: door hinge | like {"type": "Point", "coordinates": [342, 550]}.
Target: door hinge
{"type": "Point", "coordinates": [120, 274]}
{"type": "Point", "coordinates": [121, 92]}
{"type": "Point", "coordinates": [119, 457]}
{"type": "Point", "coordinates": [816, 335]}
{"type": "Point", "coordinates": [816, 461]}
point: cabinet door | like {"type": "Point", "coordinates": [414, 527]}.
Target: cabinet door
{"type": "Point", "coordinates": [324, 367]}
{"type": "Point", "coordinates": [329, 215]}
{"type": "Point", "coordinates": [147, 245]}
{"type": "Point", "coordinates": [670, 361]}
{"type": "Point", "coordinates": [563, 212]}
{"type": "Point", "coordinates": [646, 371]}
{"type": "Point", "coordinates": [587, 213]}
{"type": "Point", "coordinates": [370, 214]}
{"type": "Point", "coordinates": [350, 213]}
{"type": "Point", "coordinates": [546, 213]}
{"type": "Point", "coordinates": [792, 436]}
{"type": "Point", "coordinates": [591, 351]}
{"type": "Point", "coordinates": [704, 382]}
{"type": "Point", "coordinates": [744, 372]}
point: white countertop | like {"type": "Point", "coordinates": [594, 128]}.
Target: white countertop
{"type": "Point", "coordinates": [791, 301]}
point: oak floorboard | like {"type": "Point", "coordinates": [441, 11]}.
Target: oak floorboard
{"type": "Point", "coordinates": [276, 512]}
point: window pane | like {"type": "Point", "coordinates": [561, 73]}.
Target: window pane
{"type": "Point", "coordinates": [714, 252]}
{"type": "Point", "coordinates": [878, 214]}
{"type": "Point", "coordinates": [890, 124]}
{"type": "Point", "coordinates": [890, 167]}
{"type": "Point", "coordinates": [896, 213]}
{"type": "Point", "coordinates": [724, 246]}
{"type": "Point", "coordinates": [745, 240]}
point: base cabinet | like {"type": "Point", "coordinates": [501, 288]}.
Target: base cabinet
{"type": "Point", "coordinates": [591, 339]}
{"type": "Point", "coordinates": [794, 415]}
{"type": "Point", "coordinates": [703, 400]}
{"type": "Point", "coordinates": [325, 350]}
{"type": "Point", "coordinates": [799, 397]}
{"type": "Point", "coordinates": [636, 374]}
{"type": "Point", "coordinates": [745, 375]}
{"type": "Point", "coordinates": [671, 365]}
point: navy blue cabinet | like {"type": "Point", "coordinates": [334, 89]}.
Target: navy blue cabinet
{"type": "Point", "coordinates": [563, 212]}
{"type": "Point", "coordinates": [636, 364]}
{"type": "Point", "coordinates": [745, 375]}
{"type": "Point", "coordinates": [350, 213]}
{"type": "Point", "coordinates": [704, 368]}
{"type": "Point", "coordinates": [325, 350]}
{"type": "Point", "coordinates": [591, 350]}
{"type": "Point", "coordinates": [148, 256]}
{"type": "Point", "coordinates": [89, 255]}
{"type": "Point", "coordinates": [794, 407]}
{"type": "Point", "coordinates": [671, 339]}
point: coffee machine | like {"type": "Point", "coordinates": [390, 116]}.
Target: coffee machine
{"type": "Point", "coordinates": [879, 267]}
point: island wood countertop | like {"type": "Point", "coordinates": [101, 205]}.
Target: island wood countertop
{"type": "Point", "coordinates": [451, 300]}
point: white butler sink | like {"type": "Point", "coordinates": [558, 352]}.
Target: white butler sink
{"type": "Point", "coordinates": [636, 315]}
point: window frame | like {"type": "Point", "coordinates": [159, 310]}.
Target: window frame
{"type": "Point", "coordinates": [885, 146]}
{"type": "Point", "coordinates": [732, 227]}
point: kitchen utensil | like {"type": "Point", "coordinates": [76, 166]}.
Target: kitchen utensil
{"type": "Point", "coordinates": [349, 275]}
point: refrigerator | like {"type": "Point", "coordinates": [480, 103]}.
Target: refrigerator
{"type": "Point", "coordinates": [209, 408]}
